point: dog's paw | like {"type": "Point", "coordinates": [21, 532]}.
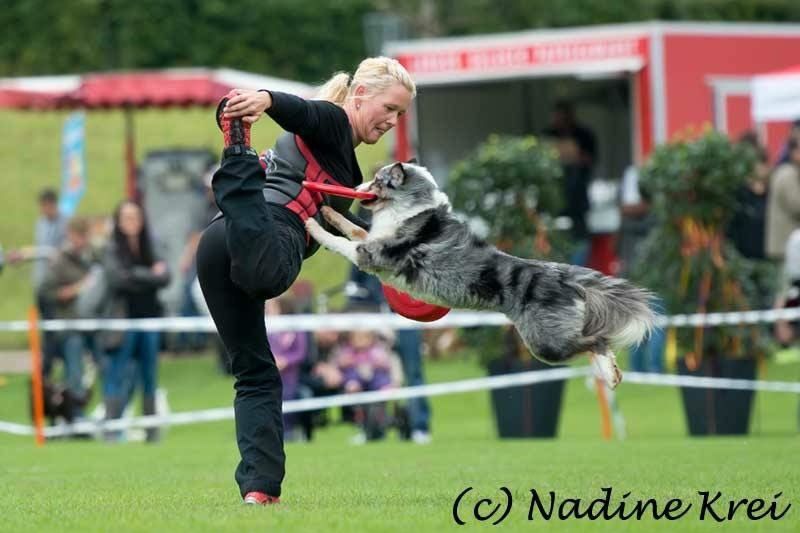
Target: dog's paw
{"type": "Point", "coordinates": [605, 365]}
{"type": "Point", "coordinates": [314, 229]}
{"type": "Point", "coordinates": [328, 212]}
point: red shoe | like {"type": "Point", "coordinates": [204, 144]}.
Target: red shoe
{"type": "Point", "coordinates": [234, 130]}
{"type": "Point", "coordinates": [259, 498]}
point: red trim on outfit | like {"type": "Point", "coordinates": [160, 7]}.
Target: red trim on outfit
{"type": "Point", "coordinates": [307, 203]}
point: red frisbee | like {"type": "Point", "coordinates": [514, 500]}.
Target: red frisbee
{"type": "Point", "coordinates": [338, 190]}
{"type": "Point", "coordinates": [404, 305]}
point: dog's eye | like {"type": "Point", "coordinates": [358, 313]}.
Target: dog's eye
{"type": "Point", "coordinates": [390, 185]}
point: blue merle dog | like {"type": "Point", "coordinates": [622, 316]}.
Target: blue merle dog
{"type": "Point", "coordinates": [416, 244]}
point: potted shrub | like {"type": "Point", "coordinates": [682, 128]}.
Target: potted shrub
{"type": "Point", "coordinates": [687, 261]}
{"type": "Point", "coordinates": [512, 184]}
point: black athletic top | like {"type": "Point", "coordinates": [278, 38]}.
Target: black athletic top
{"type": "Point", "coordinates": [317, 146]}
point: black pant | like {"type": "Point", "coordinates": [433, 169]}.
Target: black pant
{"type": "Point", "coordinates": [244, 258]}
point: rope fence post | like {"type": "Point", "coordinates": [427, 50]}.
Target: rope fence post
{"type": "Point", "coordinates": [36, 375]}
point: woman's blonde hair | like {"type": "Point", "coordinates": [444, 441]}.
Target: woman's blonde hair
{"type": "Point", "coordinates": [376, 74]}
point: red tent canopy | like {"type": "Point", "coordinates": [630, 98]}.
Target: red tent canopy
{"type": "Point", "coordinates": [159, 88]}
{"type": "Point", "coordinates": [136, 89]}
{"type": "Point", "coordinates": [144, 90]}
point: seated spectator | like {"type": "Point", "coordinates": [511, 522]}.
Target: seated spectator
{"type": "Point", "coordinates": [366, 363]}
{"type": "Point", "coordinates": [367, 295]}
{"type": "Point", "coordinates": [67, 279]}
{"type": "Point", "coordinates": [290, 349]}
{"type": "Point", "coordinates": [319, 376]}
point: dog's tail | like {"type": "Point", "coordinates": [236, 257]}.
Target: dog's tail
{"type": "Point", "coordinates": [616, 309]}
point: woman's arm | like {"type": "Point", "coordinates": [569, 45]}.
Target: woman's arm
{"type": "Point", "coordinates": [135, 278]}
{"type": "Point", "coordinates": [248, 105]}
{"type": "Point", "coordinates": [311, 119]}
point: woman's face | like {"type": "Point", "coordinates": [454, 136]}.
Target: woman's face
{"type": "Point", "coordinates": [378, 113]}
{"type": "Point", "coordinates": [130, 220]}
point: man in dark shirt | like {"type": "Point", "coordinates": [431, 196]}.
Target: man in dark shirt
{"type": "Point", "coordinates": [577, 148]}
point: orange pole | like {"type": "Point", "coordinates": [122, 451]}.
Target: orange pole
{"type": "Point", "coordinates": [36, 375]}
{"type": "Point", "coordinates": [605, 411]}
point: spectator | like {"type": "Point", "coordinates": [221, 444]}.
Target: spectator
{"type": "Point", "coordinates": [408, 345]}
{"type": "Point", "coordinates": [747, 226]}
{"type": "Point", "coordinates": [794, 133]}
{"type": "Point", "coordinates": [783, 203]}
{"type": "Point", "coordinates": [577, 148]}
{"type": "Point", "coordinates": [290, 349]}
{"type": "Point", "coordinates": [69, 275]}
{"type": "Point", "coordinates": [49, 234]}
{"type": "Point", "coordinates": [786, 331]}
{"type": "Point", "coordinates": [135, 274]}
{"type": "Point", "coordinates": [365, 362]}
{"type": "Point", "coordinates": [636, 220]}
{"type": "Point", "coordinates": [188, 266]}
{"type": "Point", "coordinates": [319, 376]}
{"type": "Point", "coordinates": [50, 231]}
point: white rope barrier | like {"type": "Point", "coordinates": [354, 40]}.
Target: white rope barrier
{"type": "Point", "coordinates": [372, 321]}
{"type": "Point", "coordinates": [672, 380]}
{"type": "Point", "coordinates": [436, 389]}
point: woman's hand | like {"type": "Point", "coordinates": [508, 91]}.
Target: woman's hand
{"type": "Point", "coordinates": [247, 105]}
{"type": "Point", "coordinates": [159, 268]}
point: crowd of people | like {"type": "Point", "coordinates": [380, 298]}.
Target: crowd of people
{"type": "Point", "coordinates": [81, 271]}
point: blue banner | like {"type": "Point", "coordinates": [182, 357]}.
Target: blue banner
{"type": "Point", "coordinates": [73, 164]}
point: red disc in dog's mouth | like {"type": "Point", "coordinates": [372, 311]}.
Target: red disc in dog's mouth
{"type": "Point", "coordinates": [404, 305]}
{"type": "Point", "coordinates": [338, 190]}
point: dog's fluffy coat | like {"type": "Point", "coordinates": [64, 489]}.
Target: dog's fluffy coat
{"type": "Point", "coordinates": [416, 244]}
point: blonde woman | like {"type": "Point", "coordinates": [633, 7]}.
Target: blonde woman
{"type": "Point", "coordinates": [253, 251]}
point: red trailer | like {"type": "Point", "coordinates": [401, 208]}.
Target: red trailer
{"type": "Point", "coordinates": [635, 85]}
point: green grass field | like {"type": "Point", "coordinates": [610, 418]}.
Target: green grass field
{"type": "Point", "coordinates": [185, 483]}
{"type": "Point", "coordinates": [30, 155]}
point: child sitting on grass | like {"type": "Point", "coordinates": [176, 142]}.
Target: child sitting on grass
{"type": "Point", "coordinates": [366, 364]}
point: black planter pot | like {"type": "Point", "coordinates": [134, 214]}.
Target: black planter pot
{"type": "Point", "coordinates": [718, 411]}
{"type": "Point", "coordinates": [528, 410]}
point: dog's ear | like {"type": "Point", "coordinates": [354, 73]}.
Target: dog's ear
{"type": "Point", "coordinates": [397, 174]}
{"type": "Point", "coordinates": [413, 161]}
